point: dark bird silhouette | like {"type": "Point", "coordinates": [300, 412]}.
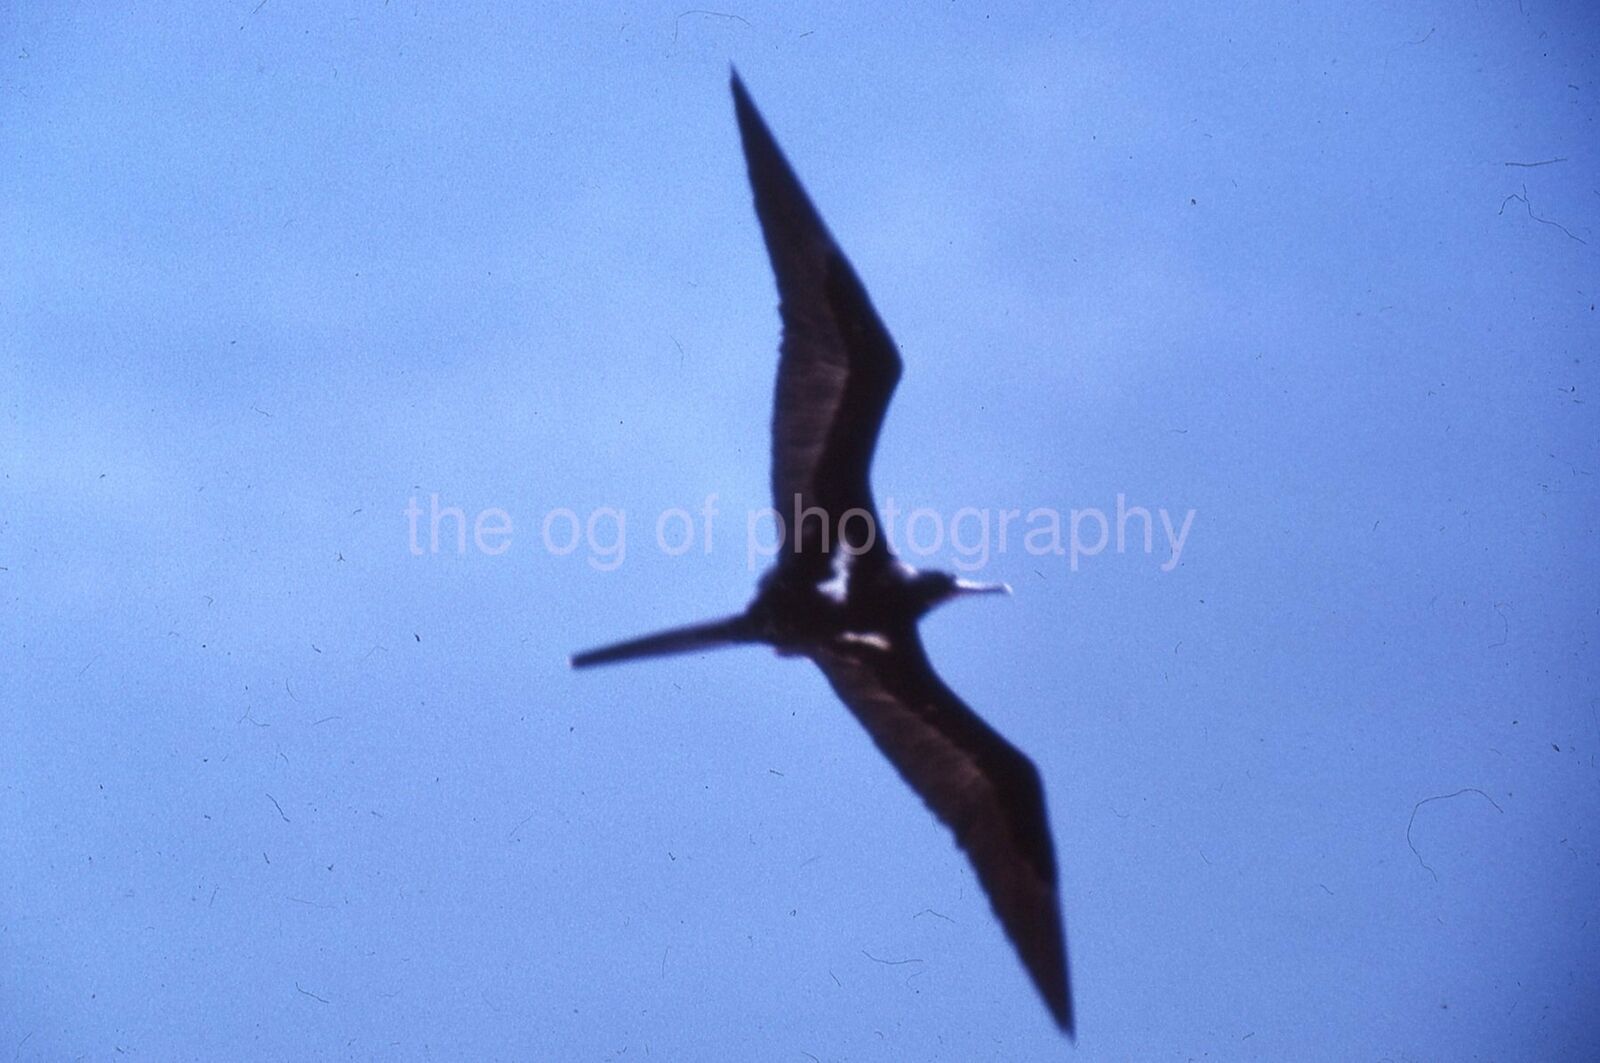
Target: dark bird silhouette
{"type": "Point", "coordinates": [838, 595]}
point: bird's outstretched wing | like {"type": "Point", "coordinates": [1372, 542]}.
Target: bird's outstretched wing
{"type": "Point", "coordinates": [837, 366]}
{"type": "Point", "coordinates": [978, 785]}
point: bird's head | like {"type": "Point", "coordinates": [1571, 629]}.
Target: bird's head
{"type": "Point", "coordinates": [935, 588]}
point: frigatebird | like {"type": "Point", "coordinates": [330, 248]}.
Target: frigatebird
{"type": "Point", "coordinates": [838, 595]}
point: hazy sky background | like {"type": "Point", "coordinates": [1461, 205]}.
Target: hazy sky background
{"type": "Point", "coordinates": [273, 787]}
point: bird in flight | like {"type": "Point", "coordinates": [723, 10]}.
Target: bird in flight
{"type": "Point", "coordinates": [838, 595]}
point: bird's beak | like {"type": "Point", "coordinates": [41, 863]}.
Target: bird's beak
{"type": "Point", "coordinates": [967, 586]}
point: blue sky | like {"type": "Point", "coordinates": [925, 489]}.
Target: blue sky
{"type": "Point", "coordinates": [274, 786]}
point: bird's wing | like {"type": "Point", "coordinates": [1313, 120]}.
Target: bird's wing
{"type": "Point", "coordinates": [978, 785]}
{"type": "Point", "coordinates": [837, 366]}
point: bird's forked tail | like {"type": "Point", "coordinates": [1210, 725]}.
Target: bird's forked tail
{"type": "Point", "coordinates": [729, 631]}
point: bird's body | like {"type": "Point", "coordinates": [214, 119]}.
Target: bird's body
{"type": "Point", "coordinates": [838, 595]}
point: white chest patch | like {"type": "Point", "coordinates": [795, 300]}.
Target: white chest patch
{"type": "Point", "coordinates": [837, 586]}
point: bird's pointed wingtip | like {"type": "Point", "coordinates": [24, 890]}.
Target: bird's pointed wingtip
{"type": "Point", "coordinates": [743, 105]}
{"type": "Point", "coordinates": [1061, 1006]}
{"type": "Point", "coordinates": [1065, 1021]}
{"type": "Point", "coordinates": [1066, 1015]}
